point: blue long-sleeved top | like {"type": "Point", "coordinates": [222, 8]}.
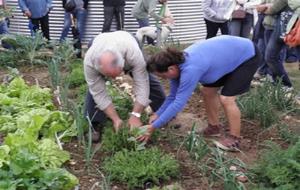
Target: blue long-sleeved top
{"type": "Point", "coordinates": [38, 8]}
{"type": "Point", "coordinates": [206, 62]}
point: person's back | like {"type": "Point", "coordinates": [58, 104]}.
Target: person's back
{"type": "Point", "coordinates": [217, 56]}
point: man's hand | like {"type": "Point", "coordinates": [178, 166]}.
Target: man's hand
{"type": "Point", "coordinates": [145, 137]}
{"type": "Point", "coordinates": [117, 124]}
{"type": "Point", "coordinates": [261, 8]}
{"type": "Point", "coordinates": [134, 122]}
{"type": "Point", "coordinates": [27, 13]}
{"type": "Point", "coordinates": [152, 118]}
{"type": "Point", "coordinates": [167, 20]}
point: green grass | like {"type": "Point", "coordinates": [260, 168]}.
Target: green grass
{"type": "Point", "coordinates": [294, 74]}
{"type": "Point", "coordinates": [266, 104]}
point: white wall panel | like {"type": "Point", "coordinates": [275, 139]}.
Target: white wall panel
{"type": "Point", "coordinates": [187, 13]}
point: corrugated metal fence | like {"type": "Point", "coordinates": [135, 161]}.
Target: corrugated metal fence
{"type": "Point", "coordinates": [187, 13]}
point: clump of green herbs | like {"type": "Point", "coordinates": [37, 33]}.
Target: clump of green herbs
{"type": "Point", "coordinates": [135, 168]}
{"type": "Point", "coordinates": [278, 168]}
{"type": "Point", "coordinates": [125, 138]}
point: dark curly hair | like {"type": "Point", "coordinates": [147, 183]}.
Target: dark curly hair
{"type": "Point", "coordinates": [164, 59]}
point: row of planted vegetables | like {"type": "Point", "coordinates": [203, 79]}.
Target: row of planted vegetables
{"type": "Point", "coordinates": [32, 133]}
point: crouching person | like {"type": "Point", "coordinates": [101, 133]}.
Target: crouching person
{"type": "Point", "coordinates": [109, 55]}
{"type": "Point", "coordinates": [227, 63]}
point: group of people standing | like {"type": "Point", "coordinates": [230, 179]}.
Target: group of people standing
{"type": "Point", "coordinates": [38, 11]}
{"type": "Point", "coordinates": [239, 17]}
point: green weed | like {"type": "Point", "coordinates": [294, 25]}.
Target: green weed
{"type": "Point", "coordinates": [265, 103]}
{"type": "Point", "coordinates": [213, 163]}
{"type": "Point", "coordinates": [196, 145]}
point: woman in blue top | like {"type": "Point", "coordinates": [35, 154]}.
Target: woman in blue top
{"type": "Point", "coordinates": [226, 61]}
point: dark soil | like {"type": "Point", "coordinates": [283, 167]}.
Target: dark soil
{"type": "Point", "coordinates": [170, 141]}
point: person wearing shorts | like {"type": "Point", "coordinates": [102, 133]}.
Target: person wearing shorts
{"type": "Point", "coordinates": [224, 64]}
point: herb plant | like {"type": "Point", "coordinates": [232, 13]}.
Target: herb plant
{"type": "Point", "coordinates": [135, 168]}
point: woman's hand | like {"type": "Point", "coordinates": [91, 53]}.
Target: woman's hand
{"type": "Point", "coordinates": [152, 118]}
{"type": "Point", "coordinates": [146, 136]}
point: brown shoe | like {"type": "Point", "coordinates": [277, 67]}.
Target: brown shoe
{"type": "Point", "coordinates": [229, 143]}
{"type": "Point", "coordinates": [213, 130]}
{"type": "Point", "coordinates": [96, 136]}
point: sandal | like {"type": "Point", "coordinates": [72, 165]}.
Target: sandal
{"type": "Point", "coordinates": [229, 143]}
{"type": "Point", "coordinates": [213, 130]}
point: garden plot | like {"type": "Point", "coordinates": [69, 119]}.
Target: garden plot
{"type": "Point", "coordinates": [179, 157]}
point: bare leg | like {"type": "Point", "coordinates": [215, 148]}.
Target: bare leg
{"type": "Point", "coordinates": [233, 114]}
{"type": "Point", "coordinates": [212, 104]}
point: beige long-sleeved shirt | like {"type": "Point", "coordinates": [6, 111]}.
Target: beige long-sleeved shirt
{"type": "Point", "coordinates": [125, 44]}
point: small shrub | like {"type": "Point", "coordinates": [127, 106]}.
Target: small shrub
{"type": "Point", "coordinates": [279, 168]}
{"type": "Point", "coordinates": [135, 168]}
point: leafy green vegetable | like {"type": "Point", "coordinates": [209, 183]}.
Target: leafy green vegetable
{"type": "Point", "coordinates": [76, 77]}
{"type": "Point", "coordinates": [29, 156]}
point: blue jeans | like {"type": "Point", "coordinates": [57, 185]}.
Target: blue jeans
{"type": "Point", "coordinates": [274, 56]}
{"type": "Point", "coordinates": [142, 23]}
{"type": "Point", "coordinates": [3, 27]}
{"type": "Point", "coordinates": [4, 30]}
{"type": "Point", "coordinates": [263, 67]}
{"type": "Point", "coordinates": [80, 15]}
{"type": "Point", "coordinates": [292, 55]}
{"type": "Point", "coordinates": [241, 27]}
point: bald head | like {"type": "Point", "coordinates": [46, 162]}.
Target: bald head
{"type": "Point", "coordinates": [110, 64]}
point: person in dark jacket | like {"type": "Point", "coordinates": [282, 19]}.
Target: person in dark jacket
{"type": "Point", "coordinates": [113, 8]}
